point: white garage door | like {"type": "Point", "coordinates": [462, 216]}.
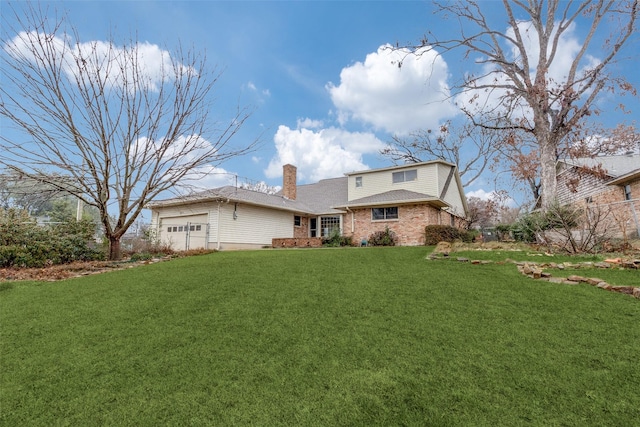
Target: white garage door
{"type": "Point", "coordinates": [185, 232]}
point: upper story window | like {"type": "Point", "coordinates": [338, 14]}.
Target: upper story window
{"type": "Point", "coordinates": [405, 176]}
{"type": "Point", "coordinates": [627, 192]}
{"type": "Point", "coordinates": [358, 181]}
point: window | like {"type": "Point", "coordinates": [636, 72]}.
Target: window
{"type": "Point", "coordinates": [175, 229]}
{"type": "Point", "coordinates": [198, 227]}
{"type": "Point", "coordinates": [328, 224]}
{"type": "Point", "coordinates": [405, 176]}
{"type": "Point", "coordinates": [297, 220]}
{"type": "Point", "coordinates": [192, 228]}
{"type": "Point", "coordinates": [627, 192]}
{"type": "Point", "coordinates": [180, 228]}
{"type": "Point", "coordinates": [168, 229]}
{"type": "Point", "coordinates": [313, 227]}
{"type": "Point", "coordinates": [358, 181]}
{"type": "Point", "coordinates": [381, 214]}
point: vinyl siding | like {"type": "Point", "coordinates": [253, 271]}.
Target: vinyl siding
{"type": "Point", "coordinates": [253, 226]}
{"type": "Point", "coordinates": [382, 181]}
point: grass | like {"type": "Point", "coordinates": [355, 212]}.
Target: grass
{"type": "Point", "coordinates": [362, 336]}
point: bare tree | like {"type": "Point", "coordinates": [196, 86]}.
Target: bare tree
{"type": "Point", "coordinates": [113, 124]}
{"type": "Point", "coordinates": [521, 86]}
{"type": "Point", "coordinates": [471, 148]}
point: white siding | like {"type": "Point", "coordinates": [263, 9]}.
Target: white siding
{"type": "Point", "coordinates": [253, 227]}
{"type": "Point", "coordinates": [453, 196]}
{"type": "Point", "coordinates": [377, 182]}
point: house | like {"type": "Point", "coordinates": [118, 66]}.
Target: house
{"type": "Point", "coordinates": [403, 198]}
{"type": "Point", "coordinates": [606, 183]}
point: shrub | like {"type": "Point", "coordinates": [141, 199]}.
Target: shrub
{"type": "Point", "coordinates": [384, 237]}
{"type": "Point", "coordinates": [23, 243]}
{"type": "Point", "coordinates": [503, 232]}
{"type": "Point", "coordinates": [434, 234]}
{"type": "Point", "coordinates": [335, 239]}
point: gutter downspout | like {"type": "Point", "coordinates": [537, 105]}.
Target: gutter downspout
{"type": "Point", "coordinates": [353, 220]}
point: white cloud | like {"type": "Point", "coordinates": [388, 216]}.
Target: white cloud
{"type": "Point", "coordinates": [117, 66]}
{"type": "Point", "coordinates": [204, 178]}
{"type": "Point", "coordinates": [176, 153]}
{"type": "Point", "coordinates": [395, 99]}
{"type": "Point", "coordinates": [327, 153]}
{"type": "Point", "coordinates": [309, 123]}
{"type": "Point", "coordinates": [481, 194]}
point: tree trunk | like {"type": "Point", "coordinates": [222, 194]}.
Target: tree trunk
{"type": "Point", "coordinates": [548, 182]}
{"type": "Point", "coordinates": [115, 254]}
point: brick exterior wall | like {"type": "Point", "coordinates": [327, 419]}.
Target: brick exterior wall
{"type": "Point", "coordinates": [409, 227]}
{"type": "Point", "coordinates": [303, 230]}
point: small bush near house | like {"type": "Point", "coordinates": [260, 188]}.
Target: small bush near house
{"type": "Point", "coordinates": [434, 234]}
{"type": "Point", "coordinates": [385, 237]}
{"type": "Point", "coordinates": [335, 239]}
{"type": "Point", "coordinates": [23, 243]}
{"type": "Point", "coordinates": [503, 232]}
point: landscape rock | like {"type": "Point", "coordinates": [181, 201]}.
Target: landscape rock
{"type": "Point", "coordinates": [623, 289]}
{"type": "Point", "coordinates": [574, 278]}
{"type": "Point", "coordinates": [636, 292]}
{"type": "Point", "coordinates": [602, 265]}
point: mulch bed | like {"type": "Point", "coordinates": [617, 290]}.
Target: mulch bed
{"type": "Point", "coordinates": [65, 271]}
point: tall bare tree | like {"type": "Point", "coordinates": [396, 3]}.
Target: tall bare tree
{"type": "Point", "coordinates": [113, 124]}
{"type": "Point", "coordinates": [518, 88]}
{"type": "Point", "coordinates": [473, 149]}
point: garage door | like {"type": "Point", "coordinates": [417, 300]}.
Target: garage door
{"type": "Point", "coordinates": [185, 232]}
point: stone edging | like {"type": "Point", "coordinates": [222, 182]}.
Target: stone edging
{"type": "Point", "coordinates": [537, 271]}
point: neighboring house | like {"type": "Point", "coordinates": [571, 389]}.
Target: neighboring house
{"type": "Point", "coordinates": [605, 182]}
{"type": "Point", "coordinates": [403, 198]}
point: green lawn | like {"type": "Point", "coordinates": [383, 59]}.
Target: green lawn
{"type": "Point", "coordinates": [361, 336]}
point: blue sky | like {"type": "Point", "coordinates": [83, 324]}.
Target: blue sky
{"type": "Point", "coordinates": [327, 97]}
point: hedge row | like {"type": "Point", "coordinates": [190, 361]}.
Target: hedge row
{"type": "Point", "coordinates": [434, 234]}
{"type": "Point", "coordinates": [23, 243]}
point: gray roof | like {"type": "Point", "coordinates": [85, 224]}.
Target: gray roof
{"type": "Point", "coordinates": [615, 166]}
{"type": "Point", "coordinates": [322, 196]}
{"type": "Point", "coordinates": [394, 197]}
{"type": "Point", "coordinates": [328, 196]}
{"type": "Point", "coordinates": [233, 194]}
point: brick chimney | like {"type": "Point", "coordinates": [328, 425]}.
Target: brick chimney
{"type": "Point", "coordinates": [289, 181]}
